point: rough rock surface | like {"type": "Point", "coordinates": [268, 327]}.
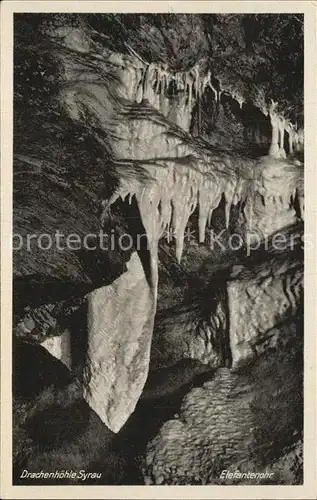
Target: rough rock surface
{"type": "Point", "coordinates": [237, 421]}
{"type": "Point", "coordinates": [192, 332]}
{"type": "Point", "coordinates": [259, 300]}
{"type": "Point", "coordinates": [46, 321]}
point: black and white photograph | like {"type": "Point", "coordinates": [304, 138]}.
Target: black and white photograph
{"type": "Point", "coordinates": [158, 248]}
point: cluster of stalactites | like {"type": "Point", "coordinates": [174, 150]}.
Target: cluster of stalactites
{"type": "Point", "coordinates": [158, 77]}
{"type": "Point", "coordinates": [166, 203]}
{"type": "Point", "coordinates": [232, 91]}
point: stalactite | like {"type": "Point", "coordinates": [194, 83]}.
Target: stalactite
{"type": "Point", "coordinates": [179, 81]}
{"type": "Point", "coordinates": [183, 203]}
{"type": "Point", "coordinates": [198, 115]}
{"type": "Point", "coordinates": [237, 97]}
{"type": "Point", "coordinates": [229, 192]}
{"type": "Point", "coordinates": [281, 127]}
{"type": "Point", "coordinates": [140, 85]}
{"type": "Point", "coordinates": [211, 210]}
{"type": "Point", "coordinates": [148, 82]}
{"type": "Point", "coordinates": [158, 80]}
{"type": "Point", "coordinates": [196, 86]}
{"type": "Point", "coordinates": [166, 80]}
{"type": "Point", "coordinates": [189, 89]}
{"type": "Point", "coordinates": [274, 147]}
{"type": "Point", "coordinates": [209, 197]}
{"type": "Point", "coordinates": [166, 203]}
{"type": "Point", "coordinates": [205, 81]}
{"type": "Point", "coordinates": [289, 130]}
{"type": "Point", "coordinates": [155, 79]}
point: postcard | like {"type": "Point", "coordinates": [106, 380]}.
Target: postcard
{"type": "Point", "coordinates": [158, 222]}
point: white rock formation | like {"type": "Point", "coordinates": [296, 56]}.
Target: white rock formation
{"type": "Point", "coordinates": [120, 323]}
